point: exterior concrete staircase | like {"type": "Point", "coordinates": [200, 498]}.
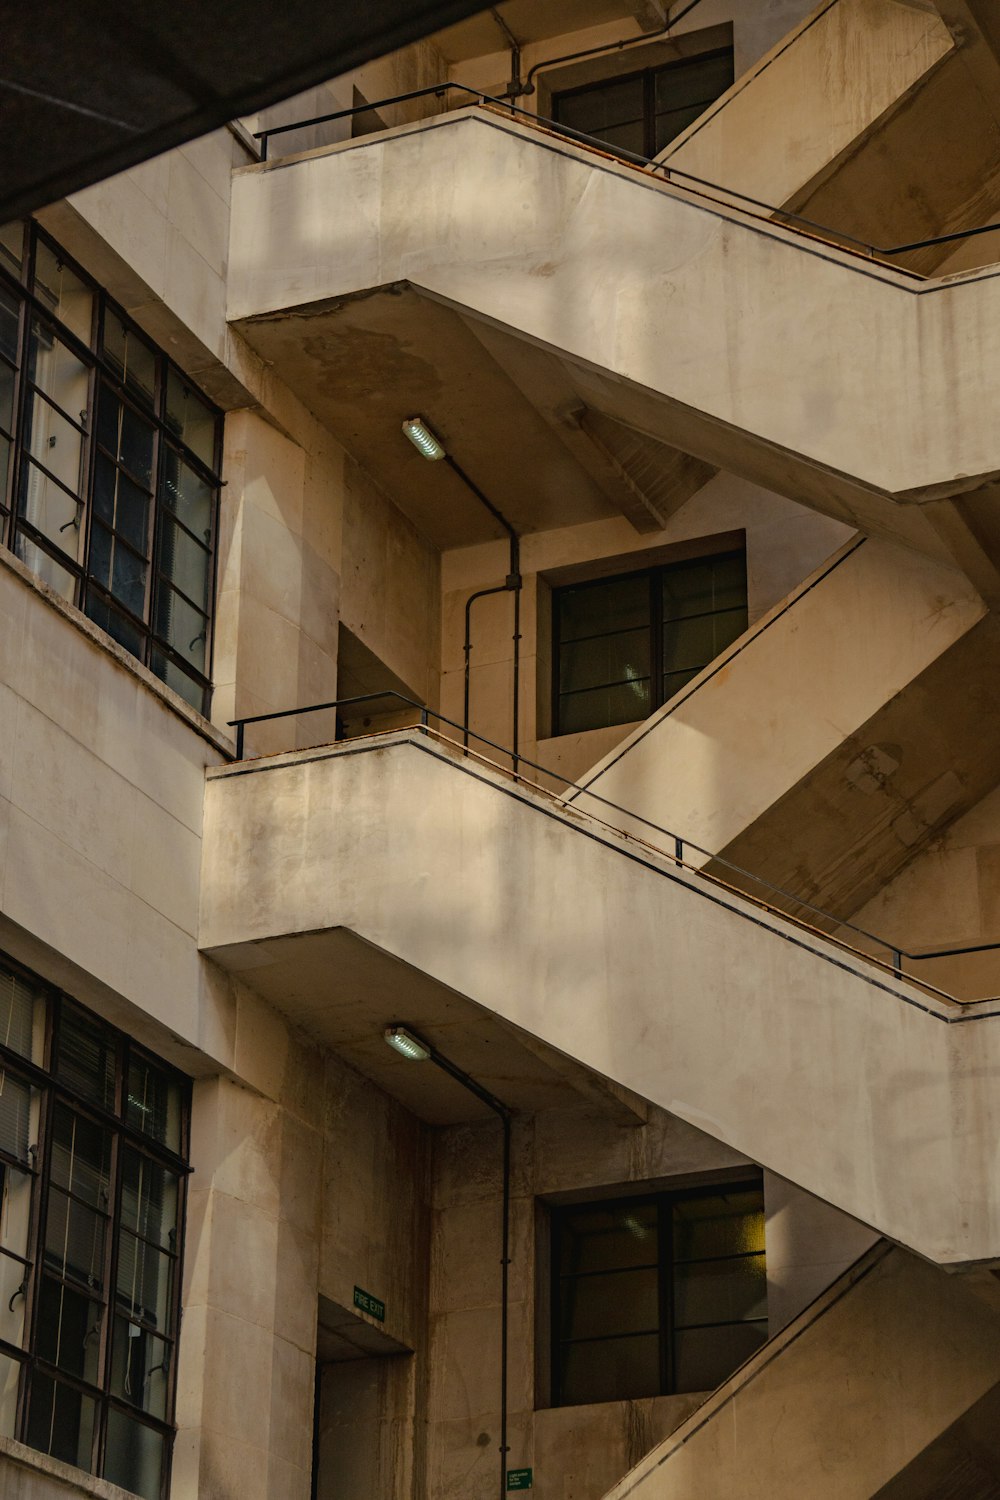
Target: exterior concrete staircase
{"type": "Point", "coordinates": [866, 1089]}
{"type": "Point", "coordinates": [749, 344]}
{"type": "Point", "coordinates": [850, 1401]}
{"type": "Point", "coordinates": [778, 758]}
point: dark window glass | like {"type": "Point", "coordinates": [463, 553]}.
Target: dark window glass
{"type": "Point", "coordinates": [153, 1102]}
{"type": "Point", "coordinates": [12, 247]}
{"type": "Point", "coordinates": [656, 1295]}
{"type": "Point", "coordinates": [135, 1456]}
{"type": "Point", "coordinates": [131, 359]}
{"type": "Point", "coordinates": [91, 1150]}
{"type": "Point", "coordinates": [61, 1421]}
{"type": "Point", "coordinates": [10, 306]}
{"type": "Point", "coordinates": [623, 646]}
{"type": "Point", "coordinates": [85, 1057]}
{"type": "Point", "coordinates": [643, 112]}
{"type": "Point", "coordinates": [114, 453]}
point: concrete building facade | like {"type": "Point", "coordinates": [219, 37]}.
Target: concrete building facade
{"type": "Point", "coordinates": [500, 777]}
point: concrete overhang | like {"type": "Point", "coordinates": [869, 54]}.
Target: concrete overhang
{"type": "Point", "coordinates": [344, 991]}
{"type": "Point", "coordinates": [512, 416]}
{"type": "Point", "coordinates": [743, 343]}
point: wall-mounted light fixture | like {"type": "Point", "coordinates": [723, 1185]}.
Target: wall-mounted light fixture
{"type": "Point", "coordinates": [406, 1044]}
{"type": "Point", "coordinates": [423, 439]}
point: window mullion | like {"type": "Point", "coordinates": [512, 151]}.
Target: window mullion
{"type": "Point", "coordinates": [665, 1241]}
{"type": "Point", "coordinates": [90, 464]}
{"type": "Point", "coordinates": [111, 1284]}
{"type": "Point", "coordinates": [656, 644]}
{"type": "Point", "coordinates": [18, 420]}
{"type": "Point", "coordinates": [38, 1212]}
{"type": "Point", "coordinates": [155, 502]}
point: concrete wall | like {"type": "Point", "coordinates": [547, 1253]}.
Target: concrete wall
{"type": "Point", "coordinates": [391, 586]}
{"type": "Point", "coordinates": [580, 1451]}
{"type": "Point", "coordinates": [294, 1190]}
{"type": "Point", "coordinates": [948, 897]}
{"type": "Point", "coordinates": [784, 543]}
{"type": "Point", "coordinates": [308, 1191]}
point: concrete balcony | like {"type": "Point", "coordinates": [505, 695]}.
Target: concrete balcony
{"type": "Point", "coordinates": [396, 879]}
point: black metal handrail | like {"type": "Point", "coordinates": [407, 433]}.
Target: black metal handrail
{"type": "Point", "coordinates": [680, 843]}
{"type": "Point", "coordinates": [774, 212]}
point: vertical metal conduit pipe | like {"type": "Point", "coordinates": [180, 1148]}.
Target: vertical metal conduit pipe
{"type": "Point", "coordinates": [511, 584]}
{"type": "Point", "coordinates": [501, 1109]}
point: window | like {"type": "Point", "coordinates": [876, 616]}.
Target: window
{"type": "Point", "coordinates": [656, 1295]}
{"type": "Point", "coordinates": [623, 646]}
{"type": "Point", "coordinates": [108, 460]}
{"type": "Point", "coordinates": [643, 112]}
{"type": "Point", "coordinates": [93, 1143]}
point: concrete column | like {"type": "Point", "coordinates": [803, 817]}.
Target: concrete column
{"type": "Point", "coordinates": [279, 582]}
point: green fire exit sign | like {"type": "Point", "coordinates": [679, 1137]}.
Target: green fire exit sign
{"type": "Point", "coordinates": [369, 1304]}
{"type": "Point", "coordinates": [519, 1479]}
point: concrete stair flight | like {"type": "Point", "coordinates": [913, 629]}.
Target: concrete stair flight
{"type": "Point", "coordinates": [812, 1060]}
{"type": "Point", "coordinates": [746, 343]}
{"type": "Point", "coordinates": [784, 755]}
{"type": "Point", "coordinates": [854, 1392]}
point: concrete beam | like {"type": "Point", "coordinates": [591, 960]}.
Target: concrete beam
{"type": "Point", "coordinates": [614, 479]}
{"type": "Point", "coordinates": [975, 29]}
{"type": "Point", "coordinates": [651, 15]}
{"type": "Point", "coordinates": [973, 545]}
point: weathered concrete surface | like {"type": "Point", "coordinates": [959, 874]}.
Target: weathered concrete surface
{"type": "Point", "coordinates": [820, 91]}
{"type": "Point", "coordinates": [28, 1475]}
{"type": "Point", "coordinates": [820, 664]}
{"type": "Point", "coordinates": [855, 1388]}
{"type": "Point", "coordinates": [852, 1085]}
{"type": "Point", "coordinates": [778, 756]}
{"type": "Point", "coordinates": [742, 342]}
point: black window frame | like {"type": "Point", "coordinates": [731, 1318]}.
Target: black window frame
{"type": "Point", "coordinates": [57, 1094]}
{"type": "Point", "coordinates": [654, 580]}
{"type": "Point", "coordinates": [648, 77]}
{"type": "Point", "coordinates": [136, 630]}
{"type": "Point", "coordinates": [664, 1265]}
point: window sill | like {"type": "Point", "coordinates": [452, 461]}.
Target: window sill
{"type": "Point", "coordinates": [66, 1481]}
{"type": "Point", "coordinates": [131, 664]}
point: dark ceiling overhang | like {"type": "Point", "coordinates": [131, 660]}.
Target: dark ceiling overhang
{"type": "Point", "coordinates": [89, 89]}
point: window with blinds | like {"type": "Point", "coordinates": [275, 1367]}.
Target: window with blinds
{"type": "Point", "coordinates": [109, 462]}
{"type": "Point", "coordinates": [93, 1138]}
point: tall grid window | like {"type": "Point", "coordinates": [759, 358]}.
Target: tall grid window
{"type": "Point", "coordinates": [624, 646]}
{"type": "Point", "coordinates": [643, 112]}
{"type": "Point", "coordinates": [108, 464]}
{"type": "Point", "coordinates": [656, 1295]}
{"type": "Point", "coordinates": [93, 1148]}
